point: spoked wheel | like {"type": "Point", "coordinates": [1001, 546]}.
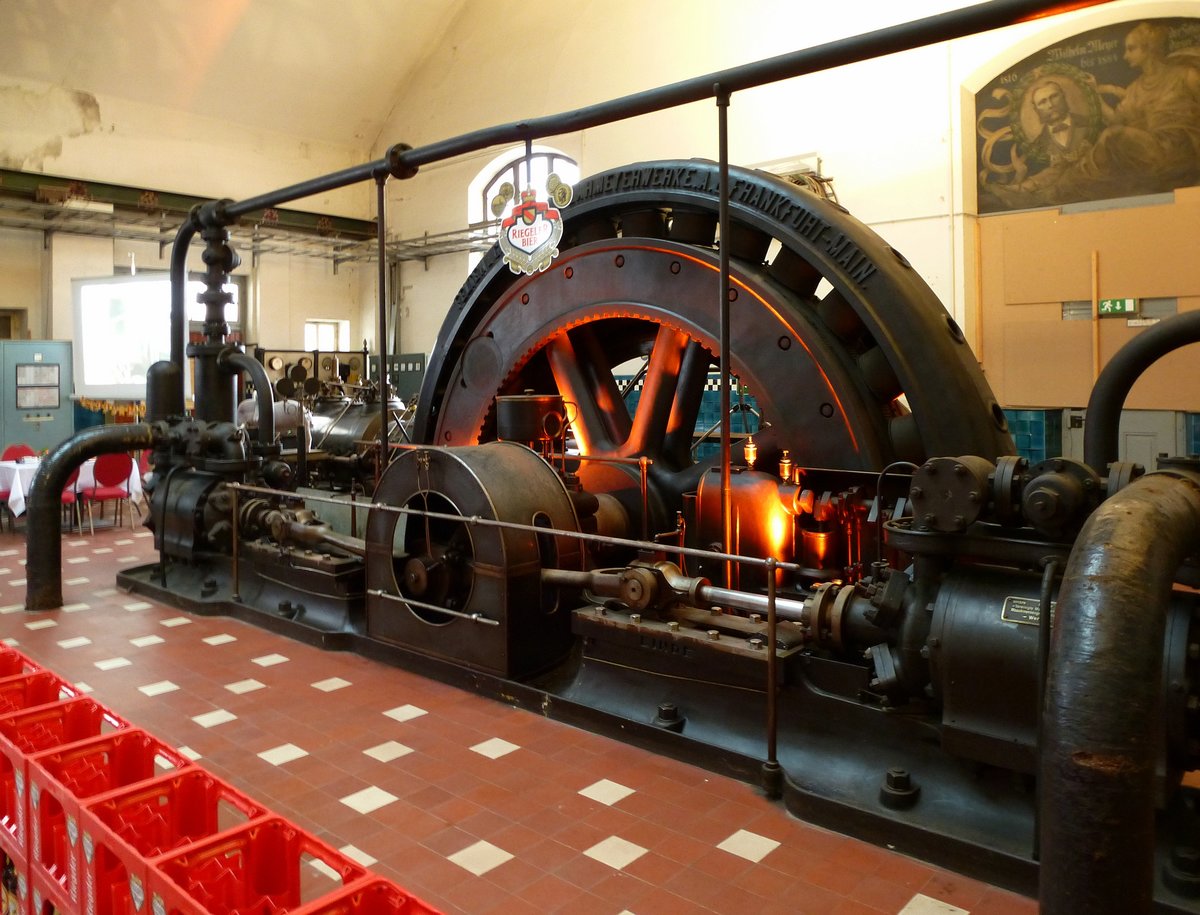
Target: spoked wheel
{"type": "Point", "coordinates": [852, 360]}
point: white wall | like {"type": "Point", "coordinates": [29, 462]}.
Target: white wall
{"type": "Point", "coordinates": [115, 141]}
{"type": "Point", "coordinates": [895, 133]}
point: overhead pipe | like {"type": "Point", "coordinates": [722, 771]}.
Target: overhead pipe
{"type": "Point", "coordinates": [43, 566]}
{"type": "Point", "coordinates": [1103, 713]}
{"type": "Point", "coordinates": [1101, 437]}
{"type": "Point", "coordinates": [401, 161]}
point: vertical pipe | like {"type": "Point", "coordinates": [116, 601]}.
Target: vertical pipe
{"type": "Point", "coordinates": [381, 238]}
{"type": "Point", "coordinates": [725, 232]}
{"type": "Point", "coordinates": [772, 772]}
{"type": "Point", "coordinates": [233, 571]}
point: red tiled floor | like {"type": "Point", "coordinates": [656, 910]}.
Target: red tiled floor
{"type": "Point", "coordinates": [447, 796]}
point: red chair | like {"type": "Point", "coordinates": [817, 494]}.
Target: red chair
{"type": "Point", "coordinates": [70, 502]}
{"type": "Point", "coordinates": [12, 453]}
{"type": "Point", "coordinates": [16, 452]}
{"type": "Point", "coordinates": [111, 472]}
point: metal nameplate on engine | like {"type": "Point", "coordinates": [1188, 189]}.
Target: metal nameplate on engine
{"type": "Point", "coordinates": [1024, 610]}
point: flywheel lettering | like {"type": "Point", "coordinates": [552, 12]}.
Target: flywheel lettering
{"type": "Point", "coordinates": [847, 254]}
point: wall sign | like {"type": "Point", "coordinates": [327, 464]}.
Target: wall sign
{"type": "Point", "coordinates": [530, 233]}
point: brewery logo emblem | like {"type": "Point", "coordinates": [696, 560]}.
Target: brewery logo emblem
{"type": "Point", "coordinates": [529, 235]}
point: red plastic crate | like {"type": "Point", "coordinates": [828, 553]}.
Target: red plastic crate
{"type": "Point", "coordinates": [371, 896]}
{"type": "Point", "coordinates": [47, 896]}
{"type": "Point", "coordinates": [14, 663]}
{"type": "Point", "coordinates": [27, 690]}
{"type": "Point", "coordinates": [60, 779]}
{"type": "Point", "coordinates": [19, 877]}
{"type": "Point", "coordinates": [122, 830]}
{"type": "Point", "coordinates": [264, 867]}
{"type": "Point", "coordinates": [42, 727]}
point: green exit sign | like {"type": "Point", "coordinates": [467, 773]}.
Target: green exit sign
{"type": "Point", "coordinates": [1118, 306]}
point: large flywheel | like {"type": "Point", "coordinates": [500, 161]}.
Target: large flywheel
{"type": "Point", "coordinates": [852, 360]}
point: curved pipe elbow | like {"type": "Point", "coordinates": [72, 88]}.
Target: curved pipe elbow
{"type": "Point", "coordinates": [1103, 708]}
{"type": "Point", "coordinates": [232, 359]}
{"type": "Point", "coordinates": [43, 539]}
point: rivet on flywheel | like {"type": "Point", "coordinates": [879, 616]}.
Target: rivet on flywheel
{"type": "Point", "coordinates": [785, 343]}
{"type": "Point", "coordinates": [569, 272]}
{"type": "Point", "coordinates": [733, 294]}
{"type": "Point", "coordinates": [827, 410]}
{"type": "Point", "coordinates": [525, 298]}
{"type": "Point", "coordinates": [676, 266]}
{"type": "Point", "coordinates": [619, 260]}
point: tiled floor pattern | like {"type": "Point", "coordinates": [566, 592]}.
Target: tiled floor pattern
{"type": "Point", "coordinates": [473, 805]}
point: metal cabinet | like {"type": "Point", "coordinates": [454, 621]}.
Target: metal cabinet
{"type": "Point", "coordinates": [35, 390]}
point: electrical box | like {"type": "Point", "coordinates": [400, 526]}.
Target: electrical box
{"type": "Point", "coordinates": [35, 390]}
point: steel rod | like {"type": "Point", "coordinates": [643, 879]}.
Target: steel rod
{"type": "Point", "coordinates": [530, 528]}
{"type": "Point", "coordinates": [724, 231]}
{"type": "Point", "coordinates": [470, 617]}
{"type": "Point", "coordinates": [382, 347]}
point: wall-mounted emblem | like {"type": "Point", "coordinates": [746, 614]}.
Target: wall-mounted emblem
{"type": "Point", "coordinates": [530, 233]}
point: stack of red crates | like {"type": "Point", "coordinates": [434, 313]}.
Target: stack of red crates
{"type": "Point", "coordinates": [100, 817]}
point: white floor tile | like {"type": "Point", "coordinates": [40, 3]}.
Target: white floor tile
{"type": "Point", "coordinates": [357, 855]}
{"type": "Point", "coordinates": [286, 753]}
{"type": "Point", "coordinates": [749, 845]}
{"type": "Point", "coordinates": [480, 858]}
{"type": "Point", "coordinates": [102, 551]}
{"type": "Point", "coordinates": [146, 641]}
{"type": "Point", "coordinates": [11, 642]}
{"type": "Point", "coordinates": [78, 642]}
{"type": "Point", "coordinates": [405, 712]}
{"type": "Point", "coordinates": [175, 621]}
{"type": "Point", "coordinates": [616, 852]}
{"type": "Point", "coordinates": [104, 592]}
{"type": "Point", "coordinates": [368, 800]}
{"type": "Point", "coordinates": [927, 905]}
{"type": "Point", "coordinates": [113, 663]}
{"type": "Point", "coordinates": [17, 582]}
{"type": "Point", "coordinates": [328, 686]}
{"type": "Point", "coordinates": [41, 624]}
{"type": "Point", "coordinates": [75, 581]}
{"type": "Point", "coordinates": [606, 792]}
{"type": "Point", "coordinates": [76, 560]}
{"type": "Point", "coordinates": [495, 748]}
{"type": "Point", "coordinates": [189, 753]}
{"type": "Point", "coordinates": [244, 686]}
{"type": "Point", "coordinates": [269, 660]}
{"type": "Point", "coordinates": [213, 718]}
{"type": "Point", "coordinates": [386, 752]}
{"type": "Point", "coordinates": [12, 608]}
{"type": "Point", "coordinates": [75, 608]}
{"type": "Point", "coordinates": [223, 639]}
{"type": "Point", "coordinates": [138, 605]}
{"type": "Point", "coordinates": [157, 689]}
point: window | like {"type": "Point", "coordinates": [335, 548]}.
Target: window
{"type": "Point", "coordinates": [327, 336]}
{"type": "Point", "coordinates": [123, 326]}
{"type": "Point", "coordinates": [511, 167]}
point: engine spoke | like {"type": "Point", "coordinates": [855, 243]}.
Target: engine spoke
{"type": "Point", "coordinates": [656, 405]}
{"type": "Point", "coordinates": [580, 370]}
{"type": "Point", "coordinates": [689, 396]}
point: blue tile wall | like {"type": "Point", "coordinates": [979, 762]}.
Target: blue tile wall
{"type": "Point", "coordinates": [1036, 433]}
{"type": "Point", "coordinates": [1193, 433]}
{"type": "Point", "coordinates": [710, 413]}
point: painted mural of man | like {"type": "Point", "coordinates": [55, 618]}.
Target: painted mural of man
{"type": "Point", "coordinates": [1064, 133]}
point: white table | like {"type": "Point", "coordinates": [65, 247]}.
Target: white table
{"type": "Point", "coordinates": [17, 476]}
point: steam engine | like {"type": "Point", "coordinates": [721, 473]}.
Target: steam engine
{"type": "Point", "coordinates": [874, 608]}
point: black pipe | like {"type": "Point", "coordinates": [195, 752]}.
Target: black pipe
{"type": "Point", "coordinates": [231, 358]}
{"type": "Point", "coordinates": [1102, 724]}
{"type": "Point", "coordinates": [43, 566]}
{"type": "Point", "coordinates": [179, 256]}
{"type": "Point", "coordinates": [403, 162]}
{"type": "Point", "coordinates": [1100, 435]}
{"type": "Point", "coordinates": [382, 344]}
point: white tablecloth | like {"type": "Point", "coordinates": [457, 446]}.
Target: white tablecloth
{"type": "Point", "coordinates": [17, 476]}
